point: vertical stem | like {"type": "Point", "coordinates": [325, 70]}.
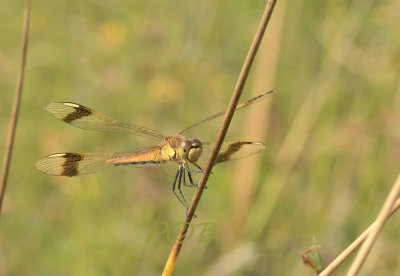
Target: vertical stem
{"type": "Point", "coordinates": [221, 135]}
{"type": "Point", "coordinates": [15, 108]}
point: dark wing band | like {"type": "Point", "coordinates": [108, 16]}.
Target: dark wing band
{"type": "Point", "coordinates": [86, 118]}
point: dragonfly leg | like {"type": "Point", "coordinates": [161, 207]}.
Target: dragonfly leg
{"type": "Point", "coordinates": [179, 186]}
{"type": "Point", "coordinates": [191, 181]}
{"type": "Point", "coordinates": [179, 175]}
{"type": "Point", "coordinates": [184, 184]}
{"type": "Point", "coordinates": [200, 169]}
{"type": "Point", "coordinates": [192, 171]}
{"type": "Point", "coordinates": [190, 177]}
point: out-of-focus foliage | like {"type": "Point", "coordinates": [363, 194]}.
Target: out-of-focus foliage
{"type": "Point", "coordinates": [332, 134]}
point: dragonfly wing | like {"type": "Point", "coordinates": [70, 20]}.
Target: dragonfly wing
{"type": "Point", "coordinates": [233, 150]}
{"type": "Point", "coordinates": [86, 118]}
{"type": "Point", "coordinates": [238, 107]}
{"type": "Point", "coordinates": [73, 164]}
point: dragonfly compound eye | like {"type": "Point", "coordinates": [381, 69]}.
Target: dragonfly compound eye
{"type": "Point", "coordinates": [195, 150]}
{"type": "Point", "coordinates": [186, 145]}
{"type": "Point", "coordinates": [196, 143]}
{"type": "Point", "coordinates": [184, 148]}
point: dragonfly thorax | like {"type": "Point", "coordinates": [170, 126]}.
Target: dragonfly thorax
{"type": "Point", "coordinates": [190, 149]}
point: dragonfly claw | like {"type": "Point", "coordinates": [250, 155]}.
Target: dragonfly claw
{"type": "Point", "coordinates": [193, 216]}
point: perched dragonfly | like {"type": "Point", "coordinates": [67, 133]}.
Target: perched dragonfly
{"type": "Point", "coordinates": [185, 153]}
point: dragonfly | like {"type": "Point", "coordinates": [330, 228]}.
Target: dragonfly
{"type": "Point", "coordinates": [183, 153]}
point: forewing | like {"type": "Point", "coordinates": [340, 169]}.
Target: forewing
{"type": "Point", "coordinates": [86, 118]}
{"type": "Point", "coordinates": [238, 107]}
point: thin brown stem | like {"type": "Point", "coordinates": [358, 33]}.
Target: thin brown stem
{"type": "Point", "coordinates": [383, 216]}
{"type": "Point", "coordinates": [353, 246]}
{"type": "Point", "coordinates": [221, 135]}
{"type": "Point", "coordinates": [15, 108]}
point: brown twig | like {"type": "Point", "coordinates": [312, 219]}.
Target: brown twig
{"type": "Point", "coordinates": [353, 246]}
{"type": "Point", "coordinates": [15, 108]}
{"type": "Point", "coordinates": [221, 135]}
{"type": "Point", "coordinates": [248, 170]}
{"type": "Point", "coordinates": [383, 216]}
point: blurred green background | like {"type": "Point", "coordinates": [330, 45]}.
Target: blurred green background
{"type": "Point", "coordinates": [332, 133]}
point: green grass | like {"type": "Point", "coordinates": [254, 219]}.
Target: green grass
{"type": "Point", "coordinates": [332, 133]}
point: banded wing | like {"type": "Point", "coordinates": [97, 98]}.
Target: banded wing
{"type": "Point", "coordinates": [73, 164]}
{"type": "Point", "coordinates": [234, 150]}
{"type": "Point", "coordinates": [86, 118]}
{"type": "Point", "coordinates": [238, 107]}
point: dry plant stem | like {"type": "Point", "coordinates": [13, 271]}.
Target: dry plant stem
{"type": "Point", "coordinates": [15, 108]}
{"type": "Point", "coordinates": [248, 170]}
{"type": "Point", "coordinates": [221, 135]}
{"type": "Point", "coordinates": [379, 222]}
{"type": "Point", "coordinates": [352, 247]}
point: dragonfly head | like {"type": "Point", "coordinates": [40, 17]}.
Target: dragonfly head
{"type": "Point", "coordinates": [190, 149]}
